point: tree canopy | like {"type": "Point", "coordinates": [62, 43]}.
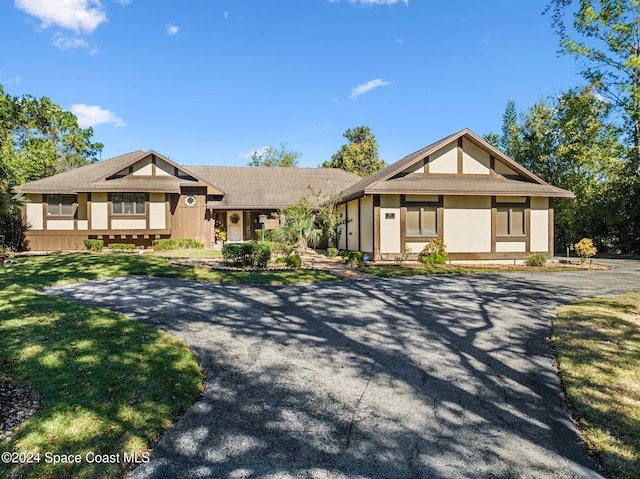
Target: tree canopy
{"type": "Point", "coordinates": [360, 155]}
{"type": "Point", "coordinates": [37, 139]}
{"type": "Point", "coordinates": [274, 157]}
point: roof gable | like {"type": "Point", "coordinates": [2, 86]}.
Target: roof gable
{"type": "Point", "coordinates": [461, 156]}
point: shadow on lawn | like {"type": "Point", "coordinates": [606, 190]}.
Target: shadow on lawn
{"type": "Point", "coordinates": [408, 377]}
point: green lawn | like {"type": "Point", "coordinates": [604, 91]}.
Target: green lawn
{"type": "Point", "coordinates": [598, 346]}
{"type": "Point", "coordinates": [392, 270]}
{"type": "Point", "coordinates": [108, 384]}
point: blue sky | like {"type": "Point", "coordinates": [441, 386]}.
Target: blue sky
{"type": "Point", "coordinates": [205, 82]}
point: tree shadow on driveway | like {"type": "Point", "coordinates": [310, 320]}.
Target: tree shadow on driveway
{"type": "Point", "coordinates": [447, 377]}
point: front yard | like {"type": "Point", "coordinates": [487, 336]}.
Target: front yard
{"type": "Point", "coordinates": [103, 384]}
{"type": "Point", "coordinates": [598, 347]}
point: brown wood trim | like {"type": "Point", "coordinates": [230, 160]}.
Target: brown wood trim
{"type": "Point", "coordinates": [527, 226]}
{"type": "Point", "coordinates": [346, 225]}
{"type": "Point", "coordinates": [440, 219]}
{"type": "Point", "coordinates": [494, 223]}
{"type": "Point", "coordinates": [153, 165]}
{"type": "Point", "coordinates": [426, 165]}
{"type": "Point", "coordinates": [491, 256]}
{"type": "Point", "coordinates": [376, 227]}
{"type": "Point", "coordinates": [552, 238]}
{"type": "Point", "coordinates": [492, 166]}
{"type": "Point", "coordinates": [403, 222]}
{"type": "Point", "coordinates": [460, 150]}
{"type": "Point", "coordinates": [100, 232]}
{"type": "Point", "coordinates": [511, 239]}
{"type": "Point", "coordinates": [359, 226]}
{"type": "Point", "coordinates": [89, 217]}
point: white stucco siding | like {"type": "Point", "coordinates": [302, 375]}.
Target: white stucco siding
{"type": "Point", "coordinates": [390, 224]}
{"type": "Point", "coordinates": [416, 247]}
{"type": "Point", "coordinates": [62, 225]}
{"type": "Point", "coordinates": [99, 211]}
{"type": "Point", "coordinates": [128, 224]}
{"type": "Point", "coordinates": [82, 225]}
{"type": "Point", "coordinates": [475, 161]}
{"type": "Point", "coordinates": [163, 168]}
{"type": "Point", "coordinates": [366, 224]}
{"type": "Point", "coordinates": [445, 160]}
{"type": "Point", "coordinates": [143, 167]}
{"type": "Point", "coordinates": [353, 225]}
{"type": "Point", "coordinates": [539, 235]}
{"type": "Point", "coordinates": [35, 213]}
{"type": "Point", "coordinates": [502, 169]}
{"type": "Point", "coordinates": [511, 247]}
{"type": "Point", "coordinates": [467, 224]}
{"type": "Point", "coordinates": [157, 211]}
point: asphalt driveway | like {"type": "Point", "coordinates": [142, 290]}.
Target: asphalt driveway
{"type": "Point", "coordinates": [417, 377]}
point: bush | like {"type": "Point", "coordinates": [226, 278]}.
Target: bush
{"type": "Point", "coordinates": [355, 257]}
{"type": "Point", "coordinates": [434, 252]}
{"type": "Point", "coordinates": [280, 250]}
{"type": "Point", "coordinates": [95, 245]}
{"type": "Point", "coordinates": [332, 252]}
{"type": "Point", "coordinates": [189, 243]}
{"type": "Point", "coordinates": [251, 253]}
{"type": "Point", "coordinates": [122, 246]}
{"type": "Point", "coordinates": [294, 261]}
{"type": "Point", "coordinates": [536, 259]}
{"type": "Point", "coordinates": [164, 244]}
{"type": "Point", "coordinates": [585, 249]}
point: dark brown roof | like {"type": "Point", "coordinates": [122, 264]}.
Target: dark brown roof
{"type": "Point", "coordinates": [272, 187]}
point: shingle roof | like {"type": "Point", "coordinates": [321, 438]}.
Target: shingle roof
{"type": "Point", "coordinates": [467, 186]}
{"type": "Point", "coordinates": [272, 187]}
{"type": "Point", "coordinates": [70, 181]}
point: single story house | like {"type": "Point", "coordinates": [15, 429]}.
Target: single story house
{"type": "Point", "coordinates": [461, 190]}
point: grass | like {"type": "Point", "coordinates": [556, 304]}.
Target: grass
{"type": "Point", "coordinates": [187, 253]}
{"type": "Point", "coordinates": [393, 270]}
{"type": "Point", "coordinates": [107, 384]}
{"type": "Point", "coordinates": [598, 347]}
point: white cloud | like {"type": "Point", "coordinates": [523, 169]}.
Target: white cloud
{"type": "Point", "coordinates": [367, 87]}
{"type": "Point", "coordinates": [315, 128]}
{"type": "Point", "coordinates": [260, 151]}
{"type": "Point", "coordinates": [13, 81]}
{"type": "Point", "coordinates": [81, 16]}
{"type": "Point", "coordinates": [172, 29]}
{"type": "Point", "coordinates": [398, 40]}
{"type": "Point", "coordinates": [226, 14]}
{"type": "Point", "coordinates": [89, 115]}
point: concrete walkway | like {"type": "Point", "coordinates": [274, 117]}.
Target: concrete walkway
{"type": "Point", "coordinates": [416, 377]}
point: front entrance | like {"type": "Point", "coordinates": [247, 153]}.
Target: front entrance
{"type": "Point", "coordinates": [234, 226]}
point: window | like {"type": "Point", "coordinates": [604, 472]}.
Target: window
{"type": "Point", "coordinates": [510, 222]}
{"type": "Point", "coordinates": [422, 221]}
{"type": "Point", "coordinates": [128, 203]}
{"type": "Point", "coordinates": [60, 205]}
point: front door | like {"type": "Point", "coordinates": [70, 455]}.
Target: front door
{"type": "Point", "coordinates": [234, 226]}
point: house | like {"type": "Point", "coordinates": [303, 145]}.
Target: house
{"type": "Point", "coordinates": [143, 196]}
{"type": "Point", "coordinates": [460, 190]}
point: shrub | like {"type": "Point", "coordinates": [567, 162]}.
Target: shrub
{"type": "Point", "coordinates": [221, 234]}
{"type": "Point", "coordinates": [536, 259]}
{"type": "Point", "coordinates": [585, 249]}
{"type": "Point", "coordinates": [189, 243]}
{"type": "Point", "coordinates": [344, 254]}
{"type": "Point", "coordinates": [332, 252]}
{"type": "Point", "coordinates": [279, 250]}
{"type": "Point", "coordinates": [294, 261]}
{"type": "Point", "coordinates": [356, 257]}
{"type": "Point", "coordinates": [250, 253]}
{"type": "Point", "coordinates": [164, 244]}
{"type": "Point", "coordinates": [434, 252]}
{"type": "Point", "coordinates": [95, 245]}
{"type": "Point", "coordinates": [122, 246]}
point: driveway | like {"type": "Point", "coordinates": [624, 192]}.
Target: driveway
{"type": "Point", "coordinates": [417, 377]}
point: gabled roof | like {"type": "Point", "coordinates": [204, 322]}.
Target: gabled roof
{"type": "Point", "coordinates": [384, 181]}
{"type": "Point", "coordinates": [240, 187]}
{"type": "Point", "coordinates": [272, 187]}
